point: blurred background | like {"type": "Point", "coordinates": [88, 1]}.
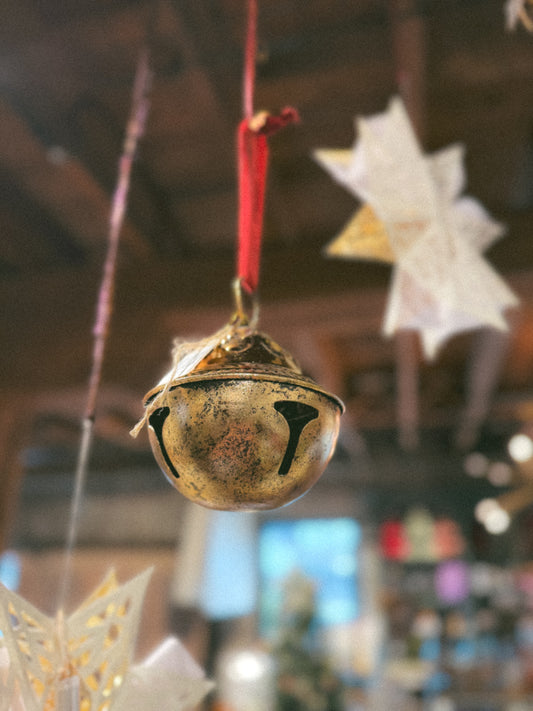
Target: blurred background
{"type": "Point", "coordinates": [404, 578]}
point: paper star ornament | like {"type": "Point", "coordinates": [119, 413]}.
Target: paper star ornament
{"type": "Point", "coordinates": [519, 11]}
{"type": "Point", "coordinates": [415, 216]}
{"type": "Point", "coordinates": [87, 654]}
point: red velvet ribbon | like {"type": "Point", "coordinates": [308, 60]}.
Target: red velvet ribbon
{"type": "Point", "coordinates": [252, 162]}
{"type": "Point", "coordinates": [253, 165]}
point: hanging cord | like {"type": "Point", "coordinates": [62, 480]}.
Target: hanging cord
{"type": "Point", "coordinates": [104, 309]}
{"type": "Point", "coordinates": [252, 163]}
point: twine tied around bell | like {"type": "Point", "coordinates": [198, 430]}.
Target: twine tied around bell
{"type": "Point", "coordinates": [236, 425]}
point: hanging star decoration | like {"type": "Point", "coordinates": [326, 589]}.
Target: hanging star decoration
{"type": "Point", "coordinates": [519, 11]}
{"type": "Point", "coordinates": [83, 662]}
{"type": "Point", "coordinates": [414, 216]}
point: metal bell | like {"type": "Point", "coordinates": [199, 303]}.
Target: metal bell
{"type": "Point", "coordinates": [245, 429]}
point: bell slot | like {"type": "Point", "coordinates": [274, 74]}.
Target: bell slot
{"type": "Point", "coordinates": [297, 414]}
{"type": "Point", "coordinates": [156, 421]}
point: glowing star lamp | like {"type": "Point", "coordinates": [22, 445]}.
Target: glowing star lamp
{"type": "Point", "coordinates": [93, 646]}
{"type": "Point", "coordinates": [415, 217]}
{"type": "Point", "coordinates": [83, 662]}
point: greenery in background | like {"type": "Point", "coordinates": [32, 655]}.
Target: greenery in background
{"type": "Point", "coordinates": [305, 681]}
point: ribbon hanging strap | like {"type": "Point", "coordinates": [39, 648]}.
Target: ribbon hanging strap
{"type": "Point", "coordinates": [252, 163]}
{"type": "Point", "coordinates": [252, 147]}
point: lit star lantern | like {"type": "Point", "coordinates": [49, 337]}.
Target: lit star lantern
{"type": "Point", "coordinates": [415, 217]}
{"type": "Point", "coordinates": [83, 662]}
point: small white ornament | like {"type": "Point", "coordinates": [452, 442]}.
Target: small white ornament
{"type": "Point", "coordinates": [168, 680]}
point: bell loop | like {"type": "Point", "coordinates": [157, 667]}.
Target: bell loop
{"type": "Point", "coordinates": [240, 316]}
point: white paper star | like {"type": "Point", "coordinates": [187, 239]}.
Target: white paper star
{"type": "Point", "coordinates": [93, 646]}
{"type": "Point", "coordinates": [441, 282]}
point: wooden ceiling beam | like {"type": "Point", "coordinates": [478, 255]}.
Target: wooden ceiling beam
{"type": "Point", "coordinates": [14, 433]}
{"type": "Point", "coordinates": [118, 409]}
{"type": "Point", "coordinates": [61, 186]}
{"type": "Point", "coordinates": [483, 371]}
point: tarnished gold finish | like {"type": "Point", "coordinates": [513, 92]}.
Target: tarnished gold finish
{"type": "Point", "coordinates": [245, 429]}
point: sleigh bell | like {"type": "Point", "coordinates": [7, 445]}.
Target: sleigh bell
{"type": "Point", "coordinates": [245, 429]}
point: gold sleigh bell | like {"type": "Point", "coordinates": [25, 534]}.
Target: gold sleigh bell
{"type": "Point", "coordinates": [245, 429]}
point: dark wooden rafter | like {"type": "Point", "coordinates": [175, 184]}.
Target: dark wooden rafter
{"type": "Point", "coordinates": [118, 410]}
{"type": "Point", "coordinates": [95, 135]}
{"type": "Point", "coordinates": [60, 185]}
